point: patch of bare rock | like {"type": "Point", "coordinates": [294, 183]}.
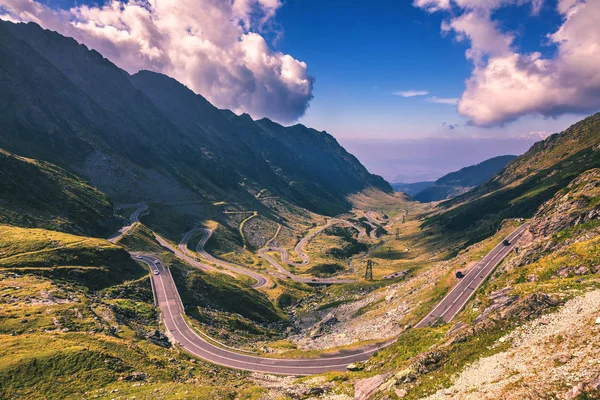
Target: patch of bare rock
{"type": "Point", "coordinates": [553, 356]}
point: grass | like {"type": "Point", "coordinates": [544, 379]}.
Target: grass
{"type": "Point", "coordinates": [241, 228]}
{"type": "Point", "coordinates": [477, 218]}
{"type": "Point", "coordinates": [140, 238]}
{"type": "Point", "coordinates": [221, 292]}
{"type": "Point", "coordinates": [325, 270]}
{"type": "Point", "coordinates": [55, 340]}
{"type": "Point", "coordinates": [94, 263]}
{"type": "Point", "coordinates": [584, 253]}
{"type": "Point", "coordinates": [39, 194]}
{"type": "Point", "coordinates": [78, 365]}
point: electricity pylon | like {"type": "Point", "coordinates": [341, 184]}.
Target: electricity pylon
{"type": "Point", "coordinates": [369, 270]}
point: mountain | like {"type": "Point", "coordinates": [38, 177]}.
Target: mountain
{"type": "Point", "coordinates": [524, 184]}
{"type": "Point", "coordinates": [38, 194]}
{"type": "Point", "coordinates": [411, 189]}
{"type": "Point", "coordinates": [147, 137]}
{"type": "Point", "coordinates": [463, 180]}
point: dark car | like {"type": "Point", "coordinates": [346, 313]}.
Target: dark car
{"type": "Point", "coordinates": [506, 242]}
{"type": "Point", "coordinates": [459, 275]}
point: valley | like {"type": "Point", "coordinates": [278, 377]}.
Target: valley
{"type": "Point", "coordinates": [153, 245]}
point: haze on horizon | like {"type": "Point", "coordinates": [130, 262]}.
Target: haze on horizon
{"type": "Point", "coordinates": [415, 90]}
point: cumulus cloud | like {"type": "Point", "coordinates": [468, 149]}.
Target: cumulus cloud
{"type": "Point", "coordinates": [412, 93]}
{"type": "Point", "coordinates": [507, 84]}
{"type": "Point", "coordinates": [213, 46]}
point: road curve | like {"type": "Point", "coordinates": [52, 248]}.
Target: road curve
{"type": "Point", "coordinates": [169, 302]}
{"type": "Point", "coordinates": [135, 217]}
{"type": "Point", "coordinates": [171, 307]}
{"type": "Point", "coordinates": [299, 249]}
{"type": "Point", "coordinates": [456, 299]}
{"type": "Point", "coordinates": [184, 256]}
{"type": "Point", "coordinates": [283, 273]}
{"type": "Point", "coordinates": [370, 222]}
{"type": "Point", "coordinates": [261, 280]}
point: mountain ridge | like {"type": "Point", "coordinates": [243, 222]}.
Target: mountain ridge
{"type": "Point", "coordinates": [130, 137]}
{"type": "Point", "coordinates": [461, 181]}
{"type": "Point", "coordinates": [524, 184]}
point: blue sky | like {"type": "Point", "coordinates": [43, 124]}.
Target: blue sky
{"type": "Point", "coordinates": [361, 52]}
{"type": "Point", "coordinates": [494, 75]}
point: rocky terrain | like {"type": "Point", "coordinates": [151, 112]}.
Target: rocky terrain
{"type": "Point", "coordinates": [575, 205]}
{"type": "Point", "coordinates": [554, 356]}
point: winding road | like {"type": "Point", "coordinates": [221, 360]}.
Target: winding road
{"type": "Point", "coordinates": [261, 280]}
{"type": "Point", "coordinates": [299, 249]}
{"type": "Point", "coordinates": [135, 217]}
{"type": "Point", "coordinates": [169, 302]}
{"type": "Point", "coordinates": [172, 310]}
{"type": "Point", "coordinates": [371, 222]}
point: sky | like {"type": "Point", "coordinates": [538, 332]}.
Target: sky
{"type": "Point", "coordinates": [415, 89]}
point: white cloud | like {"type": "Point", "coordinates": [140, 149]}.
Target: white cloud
{"type": "Point", "coordinates": [507, 84]}
{"type": "Point", "coordinates": [443, 100]}
{"type": "Point", "coordinates": [412, 93]}
{"type": "Point", "coordinates": [211, 46]}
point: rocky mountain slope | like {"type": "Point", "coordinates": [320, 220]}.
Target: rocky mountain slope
{"type": "Point", "coordinates": [148, 138]}
{"type": "Point", "coordinates": [463, 180]}
{"type": "Point", "coordinates": [531, 331]}
{"type": "Point", "coordinates": [525, 184]}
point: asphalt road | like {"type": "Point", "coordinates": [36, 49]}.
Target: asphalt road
{"type": "Point", "coordinates": [135, 217]}
{"type": "Point", "coordinates": [371, 222]}
{"type": "Point", "coordinates": [184, 256]}
{"type": "Point", "coordinates": [261, 280]}
{"type": "Point", "coordinates": [285, 274]}
{"type": "Point", "coordinates": [171, 307]}
{"type": "Point", "coordinates": [238, 269]}
{"type": "Point", "coordinates": [169, 302]}
{"type": "Point", "coordinates": [454, 301]}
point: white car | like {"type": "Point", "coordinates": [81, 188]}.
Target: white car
{"type": "Point", "coordinates": [156, 262]}
{"type": "Point", "coordinates": [156, 272]}
{"type": "Point", "coordinates": [139, 257]}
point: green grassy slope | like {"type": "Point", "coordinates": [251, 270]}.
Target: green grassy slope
{"type": "Point", "coordinates": [223, 293]}
{"type": "Point", "coordinates": [149, 138]}
{"type": "Point", "coordinates": [38, 194]}
{"type": "Point", "coordinates": [94, 263]}
{"type": "Point", "coordinates": [527, 182]}
{"type": "Point", "coordinates": [458, 182]}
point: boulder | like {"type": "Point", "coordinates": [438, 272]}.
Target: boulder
{"type": "Point", "coordinates": [315, 391]}
{"type": "Point", "coordinates": [582, 270]}
{"type": "Point", "coordinates": [355, 367]}
{"type": "Point", "coordinates": [406, 375]}
{"type": "Point", "coordinates": [364, 388]}
{"type": "Point", "coordinates": [574, 392]}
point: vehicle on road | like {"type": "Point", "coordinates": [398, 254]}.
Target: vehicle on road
{"type": "Point", "coordinates": [506, 242]}
{"type": "Point", "coordinates": [156, 272]}
{"type": "Point", "coordinates": [139, 257]}
{"type": "Point", "coordinates": [460, 275]}
{"type": "Point", "coordinates": [156, 262]}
